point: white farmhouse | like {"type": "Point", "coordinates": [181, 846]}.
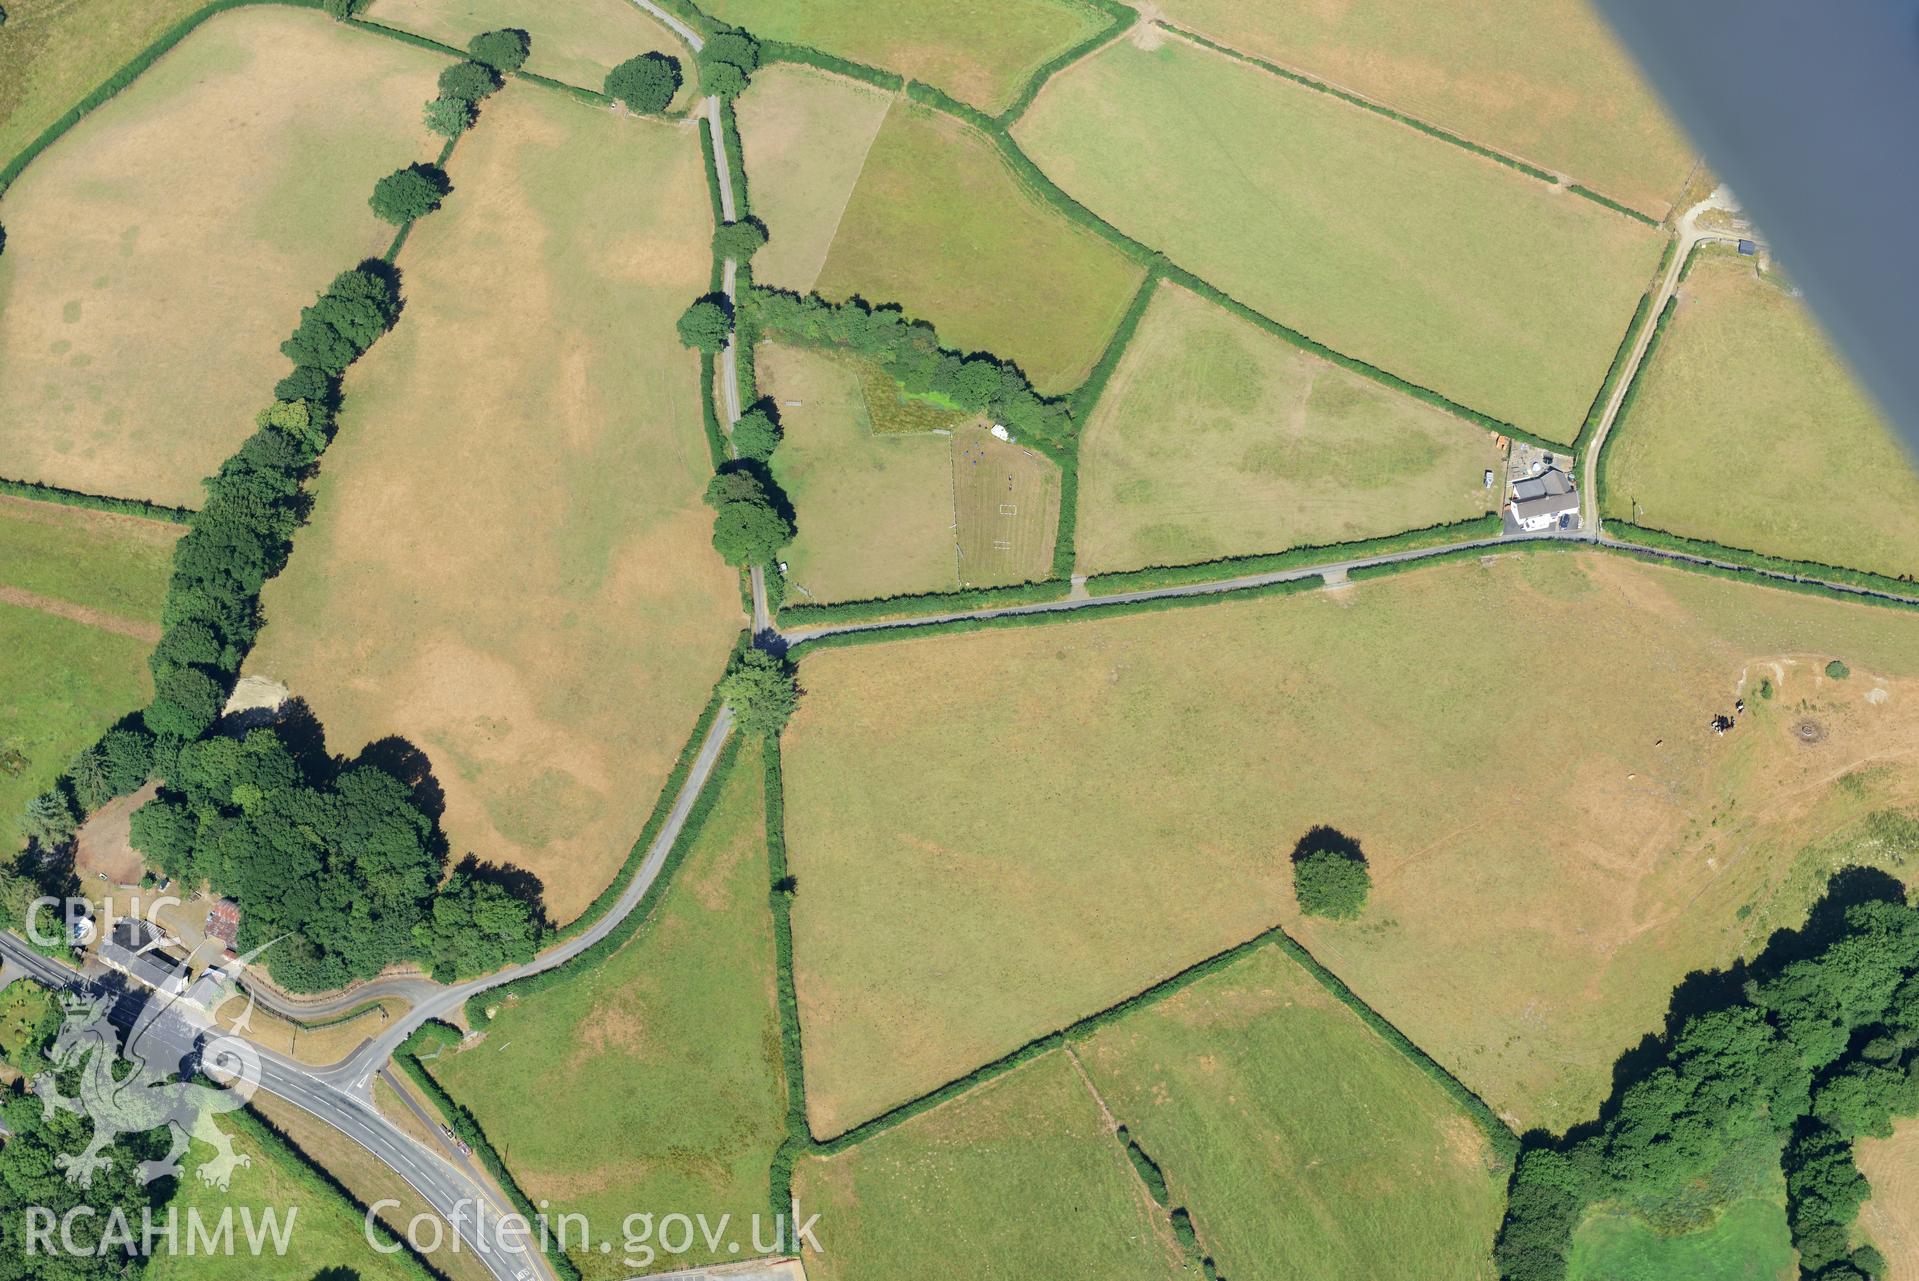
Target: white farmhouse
{"type": "Point", "coordinates": [1540, 501]}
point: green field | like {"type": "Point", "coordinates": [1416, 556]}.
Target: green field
{"type": "Point", "coordinates": [805, 135]}
{"type": "Point", "coordinates": [54, 52]}
{"type": "Point", "coordinates": [671, 1044]}
{"type": "Point", "coordinates": [1545, 81]}
{"type": "Point", "coordinates": [1065, 814]}
{"type": "Point", "coordinates": [158, 255]}
{"type": "Point", "coordinates": [1302, 1143]}
{"type": "Point", "coordinates": [63, 683]}
{"type": "Point", "coordinates": [1006, 500]}
{"type": "Point", "coordinates": [80, 595]}
{"type": "Point", "coordinates": [1019, 1179]}
{"type": "Point", "coordinates": [940, 225]}
{"type": "Point", "coordinates": [1748, 1242]}
{"type": "Point", "coordinates": [1748, 429]}
{"type": "Point", "coordinates": [327, 1237]}
{"type": "Point", "coordinates": [980, 51]}
{"type": "Point", "coordinates": [875, 512]}
{"type": "Point", "coordinates": [117, 565]}
{"type": "Point", "coordinates": [1214, 438]}
{"type": "Point", "coordinates": [1454, 272]}
{"type": "Point", "coordinates": [578, 42]}
{"type": "Point", "coordinates": [508, 562]}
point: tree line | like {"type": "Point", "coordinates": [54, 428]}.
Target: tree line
{"type": "Point", "coordinates": [909, 351]}
{"type": "Point", "coordinates": [1792, 1058]}
{"type": "Point", "coordinates": [340, 863]}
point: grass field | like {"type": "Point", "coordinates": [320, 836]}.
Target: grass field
{"type": "Point", "coordinates": [508, 562]}
{"type": "Point", "coordinates": [80, 595]}
{"type": "Point", "coordinates": [875, 512]}
{"type": "Point", "coordinates": [1748, 429]}
{"type": "Point", "coordinates": [578, 42]}
{"type": "Point", "coordinates": [981, 51]}
{"type": "Point", "coordinates": [1302, 1143]}
{"type": "Point", "coordinates": [940, 225]}
{"type": "Point", "coordinates": [1749, 1242]}
{"type": "Point", "coordinates": [117, 565]}
{"type": "Point", "coordinates": [1021, 1178]}
{"type": "Point", "coordinates": [1066, 814]}
{"type": "Point", "coordinates": [1890, 1220]}
{"type": "Point", "coordinates": [22, 1006]}
{"type": "Point", "coordinates": [1547, 81]}
{"type": "Point", "coordinates": [160, 252]}
{"type": "Point", "coordinates": [368, 1178]}
{"type": "Point", "coordinates": [1215, 438]}
{"type": "Point", "coordinates": [55, 52]}
{"type": "Point", "coordinates": [805, 135]}
{"type": "Point", "coordinates": [1007, 499]}
{"type": "Point", "coordinates": [326, 1234]}
{"type": "Point", "coordinates": [672, 1044]}
{"type": "Point", "coordinates": [1452, 271]}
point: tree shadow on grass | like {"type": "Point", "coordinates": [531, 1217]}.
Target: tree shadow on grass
{"type": "Point", "coordinates": [1703, 991]}
{"type": "Point", "coordinates": [1323, 839]}
{"type": "Point", "coordinates": [399, 757]}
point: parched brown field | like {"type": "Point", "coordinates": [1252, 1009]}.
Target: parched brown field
{"type": "Point", "coordinates": [508, 563]}
{"type": "Point", "coordinates": [1215, 438]}
{"type": "Point", "coordinates": [577, 42]}
{"type": "Point", "coordinates": [159, 253]}
{"type": "Point", "coordinates": [1000, 832]}
{"type": "Point", "coordinates": [1890, 1220]}
{"type": "Point", "coordinates": [1545, 80]}
{"type": "Point", "coordinates": [1006, 500]}
{"type": "Point", "coordinates": [805, 134]}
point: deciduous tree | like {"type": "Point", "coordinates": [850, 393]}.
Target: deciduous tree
{"type": "Point", "coordinates": [646, 84]}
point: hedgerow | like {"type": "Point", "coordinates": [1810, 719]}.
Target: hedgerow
{"type": "Point", "coordinates": [1610, 383]}
{"type": "Point", "coordinates": [94, 502]}
{"type": "Point", "coordinates": [1779, 570]}
{"type": "Point", "coordinates": [799, 1137]}
{"type": "Point", "coordinates": [1386, 569]}
{"type": "Point", "coordinates": [1039, 615]}
{"type": "Point", "coordinates": [1148, 1169]}
{"type": "Point", "coordinates": [663, 806]}
{"type": "Point", "coordinates": [709, 412]}
{"type": "Point", "coordinates": [1086, 397]}
{"type": "Point", "coordinates": [477, 1013]}
{"type": "Point", "coordinates": [1119, 19]}
{"type": "Point", "coordinates": [1612, 204]}
{"type": "Point", "coordinates": [1367, 104]}
{"type": "Point", "coordinates": [304, 1169]}
{"type": "Point", "coordinates": [922, 603]}
{"type": "Point", "coordinates": [125, 76]}
{"type": "Point", "coordinates": [1601, 482]}
{"type": "Point", "coordinates": [464, 1124]}
{"type": "Point", "coordinates": [1065, 534]}
{"type": "Point", "coordinates": [735, 159]}
{"type": "Point", "coordinates": [1478, 527]}
{"type": "Point", "coordinates": [805, 55]}
{"type": "Point", "coordinates": [909, 352]}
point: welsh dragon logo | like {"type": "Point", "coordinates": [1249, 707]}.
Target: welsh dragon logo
{"type": "Point", "coordinates": [121, 1094]}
